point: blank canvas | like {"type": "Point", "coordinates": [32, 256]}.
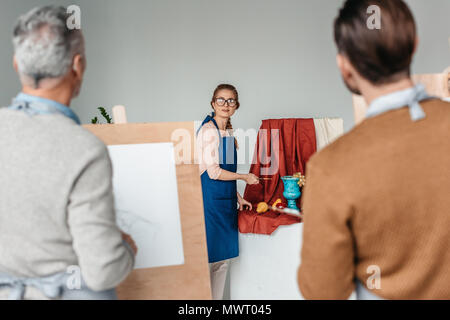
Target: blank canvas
{"type": "Point", "coordinates": [146, 200]}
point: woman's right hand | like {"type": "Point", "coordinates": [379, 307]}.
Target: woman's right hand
{"type": "Point", "coordinates": [250, 178]}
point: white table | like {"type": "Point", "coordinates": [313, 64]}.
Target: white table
{"type": "Point", "coordinates": [267, 265]}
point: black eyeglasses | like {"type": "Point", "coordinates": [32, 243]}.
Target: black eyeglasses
{"type": "Point", "coordinates": [221, 102]}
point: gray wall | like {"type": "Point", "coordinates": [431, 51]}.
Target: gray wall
{"type": "Point", "coordinates": [162, 59]}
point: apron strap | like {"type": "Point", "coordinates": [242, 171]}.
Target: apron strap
{"type": "Point", "coordinates": [32, 106]}
{"type": "Point", "coordinates": [362, 293]}
{"type": "Point", "coordinates": [208, 119]}
{"type": "Point", "coordinates": [50, 286]}
{"type": "Point", "coordinates": [408, 97]}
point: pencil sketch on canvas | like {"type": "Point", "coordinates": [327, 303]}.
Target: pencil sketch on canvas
{"type": "Point", "coordinates": [146, 201]}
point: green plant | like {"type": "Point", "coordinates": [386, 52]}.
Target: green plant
{"type": "Point", "coordinates": [104, 115]}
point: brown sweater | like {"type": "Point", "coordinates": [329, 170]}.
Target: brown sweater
{"type": "Point", "coordinates": [380, 195]}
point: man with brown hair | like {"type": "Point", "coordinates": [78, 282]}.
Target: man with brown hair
{"type": "Point", "coordinates": [377, 201]}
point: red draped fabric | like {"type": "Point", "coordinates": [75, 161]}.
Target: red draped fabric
{"type": "Point", "coordinates": [283, 147]}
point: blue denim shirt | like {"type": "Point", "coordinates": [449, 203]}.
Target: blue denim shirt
{"type": "Point", "coordinates": [33, 105]}
{"type": "Point", "coordinates": [409, 97]}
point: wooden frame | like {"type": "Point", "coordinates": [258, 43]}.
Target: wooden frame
{"type": "Point", "coordinates": [190, 280]}
{"type": "Point", "coordinates": [437, 84]}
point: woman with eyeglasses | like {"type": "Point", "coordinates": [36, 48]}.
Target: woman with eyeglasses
{"type": "Point", "coordinates": [216, 152]}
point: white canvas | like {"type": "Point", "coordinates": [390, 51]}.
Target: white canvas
{"type": "Point", "coordinates": [146, 199]}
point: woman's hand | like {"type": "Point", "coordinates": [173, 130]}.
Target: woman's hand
{"type": "Point", "coordinates": [250, 178]}
{"type": "Point", "coordinates": [127, 238]}
{"type": "Point", "coordinates": [244, 203]}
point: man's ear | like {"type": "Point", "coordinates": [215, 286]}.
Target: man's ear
{"type": "Point", "coordinates": [78, 66]}
{"type": "Point", "coordinates": [342, 64]}
{"type": "Point", "coordinates": [416, 45]}
{"type": "Point", "coordinates": [345, 66]}
{"type": "Point", "coordinates": [16, 67]}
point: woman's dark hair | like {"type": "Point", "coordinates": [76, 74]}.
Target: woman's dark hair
{"type": "Point", "coordinates": [381, 55]}
{"type": "Point", "coordinates": [226, 87]}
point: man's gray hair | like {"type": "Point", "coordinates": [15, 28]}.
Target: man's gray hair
{"type": "Point", "coordinates": [44, 46]}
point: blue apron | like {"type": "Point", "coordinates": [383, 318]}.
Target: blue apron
{"type": "Point", "coordinates": [220, 204]}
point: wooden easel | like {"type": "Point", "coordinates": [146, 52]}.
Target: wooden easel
{"type": "Point", "coordinates": [437, 84]}
{"type": "Point", "coordinates": [190, 280]}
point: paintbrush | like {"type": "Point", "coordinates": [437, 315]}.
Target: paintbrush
{"type": "Point", "coordinates": [288, 211]}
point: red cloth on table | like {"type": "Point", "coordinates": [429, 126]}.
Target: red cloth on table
{"type": "Point", "coordinates": [297, 142]}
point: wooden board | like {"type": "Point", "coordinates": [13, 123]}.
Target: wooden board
{"type": "Point", "coordinates": [190, 280]}
{"type": "Point", "coordinates": [437, 84]}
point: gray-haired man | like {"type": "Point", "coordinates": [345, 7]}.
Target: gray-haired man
{"type": "Point", "coordinates": [56, 200]}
